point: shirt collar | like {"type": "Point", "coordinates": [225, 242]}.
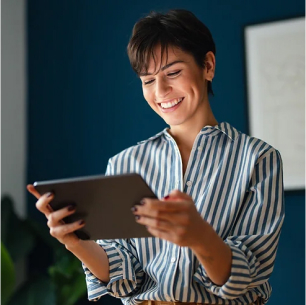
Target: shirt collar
{"type": "Point", "coordinates": [208, 130]}
{"type": "Point", "coordinates": [224, 127]}
{"type": "Point", "coordinates": [154, 137]}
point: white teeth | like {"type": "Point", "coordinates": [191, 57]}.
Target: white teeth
{"type": "Point", "coordinates": [171, 104]}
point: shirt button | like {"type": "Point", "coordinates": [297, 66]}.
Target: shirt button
{"type": "Point", "coordinates": [200, 148]}
{"type": "Point", "coordinates": [189, 183]}
{"type": "Point", "coordinates": [173, 259]}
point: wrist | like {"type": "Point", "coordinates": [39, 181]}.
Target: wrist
{"type": "Point", "coordinates": [204, 242]}
{"type": "Point", "coordinates": [76, 245]}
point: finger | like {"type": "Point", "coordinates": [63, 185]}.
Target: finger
{"type": "Point", "coordinates": [43, 203]}
{"type": "Point", "coordinates": [154, 213]}
{"type": "Point", "coordinates": [150, 205]}
{"type": "Point", "coordinates": [62, 230]}
{"type": "Point", "coordinates": [178, 218]}
{"type": "Point", "coordinates": [159, 233]}
{"type": "Point", "coordinates": [33, 191]}
{"type": "Point", "coordinates": [56, 218]}
{"type": "Point", "coordinates": [155, 223]}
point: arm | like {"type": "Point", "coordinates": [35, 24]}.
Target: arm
{"type": "Point", "coordinates": [254, 239]}
{"type": "Point", "coordinates": [214, 255]}
{"type": "Point", "coordinates": [93, 257]}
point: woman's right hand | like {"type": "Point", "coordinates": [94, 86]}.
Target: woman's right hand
{"type": "Point", "coordinates": [58, 229]}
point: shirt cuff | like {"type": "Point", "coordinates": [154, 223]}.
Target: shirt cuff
{"type": "Point", "coordinates": [121, 273]}
{"type": "Point", "coordinates": [243, 270]}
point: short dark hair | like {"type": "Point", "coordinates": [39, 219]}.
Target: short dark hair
{"type": "Point", "coordinates": [176, 28]}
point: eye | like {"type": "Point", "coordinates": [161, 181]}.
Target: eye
{"type": "Point", "coordinates": [148, 82]}
{"type": "Point", "coordinates": [174, 73]}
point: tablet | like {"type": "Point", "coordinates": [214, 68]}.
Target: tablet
{"type": "Point", "coordinates": [104, 202]}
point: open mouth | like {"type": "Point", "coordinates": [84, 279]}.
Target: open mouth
{"type": "Point", "coordinates": [171, 104]}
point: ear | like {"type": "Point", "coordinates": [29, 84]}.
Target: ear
{"type": "Point", "coordinates": [210, 65]}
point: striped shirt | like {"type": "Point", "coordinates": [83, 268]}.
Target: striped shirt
{"type": "Point", "coordinates": [236, 184]}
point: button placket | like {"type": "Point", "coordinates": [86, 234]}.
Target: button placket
{"type": "Point", "coordinates": [197, 148]}
{"type": "Point", "coordinates": [174, 260]}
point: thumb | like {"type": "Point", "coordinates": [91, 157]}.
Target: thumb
{"type": "Point", "coordinates": [33, 191]}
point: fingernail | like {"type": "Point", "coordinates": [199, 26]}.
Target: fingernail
{"type": "Point", "coordinates": [166, 197]}
{"type": "Point", "coordinates": [71, 208]}
{"type": "Point", "coordinates": [133, 209]}
{"type": "Point", "coordinates": [82, 222]}
{"type": "Point", "coordinates": [49, 194]}
{"type": "Point", "coordinates": [137, 217]}
{"type": "Point", "coordinates": [142, 202]}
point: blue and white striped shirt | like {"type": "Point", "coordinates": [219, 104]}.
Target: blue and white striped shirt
{"type": "Point", "coordinates": [237, 186]}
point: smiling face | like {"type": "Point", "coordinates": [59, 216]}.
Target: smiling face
{"type": "Point", "coordinates": [178, 91]}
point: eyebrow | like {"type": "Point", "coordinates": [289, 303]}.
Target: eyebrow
{"type": "Point", "coordinates": [164, 67]}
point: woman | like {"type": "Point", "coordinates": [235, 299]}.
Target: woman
{"type": "Point", "coordinates": [220, 209]}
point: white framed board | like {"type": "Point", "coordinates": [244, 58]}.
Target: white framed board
{"type": "Point", "coordinates": [275, 66]}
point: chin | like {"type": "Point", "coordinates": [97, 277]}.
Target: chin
{"type": "Point", "coordinates": [174, 122]}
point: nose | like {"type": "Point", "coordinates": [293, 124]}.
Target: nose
{"type": "Point", "coordinates": [162, 88]}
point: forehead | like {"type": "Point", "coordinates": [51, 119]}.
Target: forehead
{"type": "Point", "coordinates": [160, 59]}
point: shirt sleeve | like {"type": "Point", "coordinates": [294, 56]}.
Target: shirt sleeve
{"type": "Point", "coordinates": [125, 272]}
{"type": "Point", "coordinates": [254, 238]}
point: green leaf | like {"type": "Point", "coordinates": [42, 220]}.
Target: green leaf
{"type": "Point", "coordinates": [68, 276]}
{"type": "Point", "coordinates": [66, 263]}
{"type": "Point", "coordinates": [38, 291]}
{"type": "Point", "coordinates": [7, 275]}
{"type": "Point", "coordinates": [77, 289]}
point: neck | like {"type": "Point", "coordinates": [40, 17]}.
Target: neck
{"type": "Point", "coordinates": [185, 134]}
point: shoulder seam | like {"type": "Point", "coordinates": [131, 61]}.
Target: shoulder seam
{"type": "Point", "coordinates": [267, 153]}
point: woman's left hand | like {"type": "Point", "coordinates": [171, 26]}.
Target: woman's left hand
{"type": "Point", "coordinates": [175, 218]}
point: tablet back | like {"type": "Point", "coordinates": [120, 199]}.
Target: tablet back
{"type": "Point", "coordinates": [104, 202]}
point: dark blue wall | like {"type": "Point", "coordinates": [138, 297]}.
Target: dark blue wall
{"type": "Point", "coordinates": [85, 103]}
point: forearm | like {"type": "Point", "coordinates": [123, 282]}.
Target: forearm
{"type": "Point", "coordinates": [94, 258]}
{"type": "Point", "coordinates": [214, 255]}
